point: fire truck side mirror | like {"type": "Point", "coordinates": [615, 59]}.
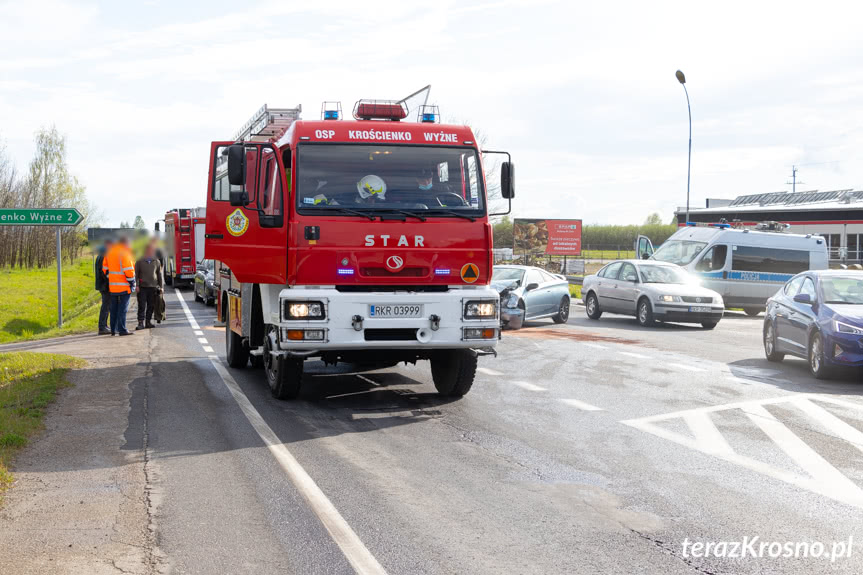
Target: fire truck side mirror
{"type": "Point", "coordinates": [507, 180]}
{"type": "Point", "coordinates": [236, 165]}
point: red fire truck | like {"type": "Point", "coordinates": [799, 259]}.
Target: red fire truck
{"type": "Point", "coordinates": [365, 241]}
{"type": "Point", "coordinates": [184, 244]}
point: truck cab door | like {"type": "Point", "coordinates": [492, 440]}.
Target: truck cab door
{"type": "Point", "coordinates": [251, 239]}
{"type": "Point", "coordinates": [643, 248]}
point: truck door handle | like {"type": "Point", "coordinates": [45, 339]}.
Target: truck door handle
{"type": "Point", "coordinates": [214, 236]}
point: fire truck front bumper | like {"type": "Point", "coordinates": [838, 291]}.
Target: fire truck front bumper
{"type": "Point", "coordinates": [324, 319]}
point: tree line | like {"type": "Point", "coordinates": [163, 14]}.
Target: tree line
{"type": "Point", "coordinates": [601, 236]}
{"type": "Point", "coordinates": [47, 184]}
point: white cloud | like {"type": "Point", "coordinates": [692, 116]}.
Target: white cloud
{"type": "Point", "coordinates": [583, 95]}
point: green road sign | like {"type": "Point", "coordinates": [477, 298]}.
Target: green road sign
{"type": "Point", "coordinates": [40, 217]}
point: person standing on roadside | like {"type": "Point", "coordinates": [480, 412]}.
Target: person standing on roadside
{"type": "Point", "coordinates": [102, 288]}
{"type": "Point", "coordinates": [148, 272]}
{"type": "Point", "coordinates": [120, 269]}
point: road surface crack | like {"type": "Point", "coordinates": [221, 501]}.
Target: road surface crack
{"type": "Point", "coordinates": [669, 550]}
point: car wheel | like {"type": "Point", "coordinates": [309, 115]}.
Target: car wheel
{"type": "Point", "coordinates": [562, 311]}
{"type": "Point", "coordinates": [770, 343]}
{"type": "Point", "coordinates": [709, 324]}
{"type": "Point", "coordinates": [591, 306]}
{"type": "Point", "coordinates": [752, 311]}
{"type": "Point", "coordinates": [817, 365]}
{"type": "Point", "coordinates": [645, 313]}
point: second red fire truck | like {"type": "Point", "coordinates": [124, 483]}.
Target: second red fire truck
{"type": "Point", "coordinates": [365, 241]}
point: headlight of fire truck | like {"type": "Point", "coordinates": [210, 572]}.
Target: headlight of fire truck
{"type": "Point", "coordinates": [480, 309]}
{"type": "Point", "coordinates": [303, 310]}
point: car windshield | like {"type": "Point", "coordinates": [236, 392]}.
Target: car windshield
{"type": "Point", "coordinates": [371, 178]}
{"type": "Point", "coordinates": [507, 274]}
{"type": "Point", "coordinates": [842, 289]}
{"type": "Point", "coordinates": [663, 275]}
{"type": "Point", "coordinates": [679, 252]}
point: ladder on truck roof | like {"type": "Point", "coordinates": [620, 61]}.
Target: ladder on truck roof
{"type": "Point", "coordinates": [268, 124]}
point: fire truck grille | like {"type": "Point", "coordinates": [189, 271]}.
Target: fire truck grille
{"type": "Point", "coordinates": [373, 272]}
{"type": "Point", "coordinates": [393, 334]}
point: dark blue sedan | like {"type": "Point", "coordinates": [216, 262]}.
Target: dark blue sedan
{"type": "Point", "coordinates": [817, 315]}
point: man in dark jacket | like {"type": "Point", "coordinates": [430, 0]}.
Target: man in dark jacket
{"type": "Point", "coordinates": [102, 288]}
{"type": "Point", "coordinates": [148, 271]}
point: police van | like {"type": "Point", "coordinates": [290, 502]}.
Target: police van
{"type": "Point", "coordinates": [745, 266]}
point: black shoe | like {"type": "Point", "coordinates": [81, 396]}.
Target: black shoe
{"type": "Point", "coordinates": [139, 326]}
{"type": "Point", "coordinates": [105, 332]}
{"type": "Point", "coordinates": [127, 333]}
{"type": "Point", "coordinates": [113, 333]}
{"type": "Point", "coordinates": [149, 325]}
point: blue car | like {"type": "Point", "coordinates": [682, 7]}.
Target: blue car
{"type": "Point", "coordinates": [817, 315]}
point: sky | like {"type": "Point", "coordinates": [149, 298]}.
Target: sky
{"type": "Point", "coordinates": [582, 94]}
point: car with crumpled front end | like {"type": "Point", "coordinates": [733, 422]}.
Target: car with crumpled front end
{"type": "Point", "coordinates": [529, 293]}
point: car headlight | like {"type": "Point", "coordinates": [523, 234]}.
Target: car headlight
{"type": "Point", "coordinates": [512, 301]}
{"type": "Point", "coordinates": [846, 328]}
{"type": "Point", "coordinates": [480, 309]}
{"type": "Point", "coordinates": [303, 310]}
{"type": "Point", "coordinates": [670, 298]}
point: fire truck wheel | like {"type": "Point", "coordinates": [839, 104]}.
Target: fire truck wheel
{"type": "Point", "coordinates": [237, 355]}
{"type": "Point", "coordinates": [453, 372]}
{"type": "Point", "coordinates": [285, 376]}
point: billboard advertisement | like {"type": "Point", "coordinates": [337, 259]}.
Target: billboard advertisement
{"type": "Point", "coordinates": [554, 237]}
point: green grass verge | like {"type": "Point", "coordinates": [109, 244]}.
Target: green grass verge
{"type": "Point", "coordinates": [28, 383]}
{"type": "Point", "coordinates": [574, 291]}
{"type": "Point", "coordinates": [608, 254]}
{"type": "Point", "coordinates": [28, 306]}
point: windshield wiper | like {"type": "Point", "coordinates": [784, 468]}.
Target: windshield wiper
{"type": "Point", "coordinates": [352, 212]}
{"type": "Point", "coordinates": [454, 213]}
{"type": "Point", "coordinates": [411, 214]}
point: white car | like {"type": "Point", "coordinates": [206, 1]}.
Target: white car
{"type": "Point", "coordinates": [651, 291]}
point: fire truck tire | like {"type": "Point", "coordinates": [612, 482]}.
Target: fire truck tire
{"type": "Point", "coordinates": [237, 355]}
{"type": "Point", "coordinates": [453, 372]}
{"type": "Point", "coordinates": [285, 377]}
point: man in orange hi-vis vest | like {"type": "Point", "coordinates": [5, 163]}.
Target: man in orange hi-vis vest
{"type": "Point", "coordinates": [120, 269]}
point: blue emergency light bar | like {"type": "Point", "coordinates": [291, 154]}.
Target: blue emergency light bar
{"type": "Point", "coordinates": [331, 114]}
{"type": "Point", "coordinates": [345, 271]}
{"type": "Point", "coordinates": [331, 111]}
{"type": "Point", "coordinates": [428, 114]}
{"type": "Point", "coordinates": [442, 272]}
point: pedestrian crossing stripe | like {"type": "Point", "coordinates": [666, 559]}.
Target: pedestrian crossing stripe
{"type": "Point", "coordinates": [469, 273]}
{"type": "Point", "coordinates": [820, 476]}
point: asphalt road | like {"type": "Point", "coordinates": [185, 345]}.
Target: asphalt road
{"type": "Point", "coordinates": [552, 464]}
{"type": "Point", "coordinates": [590, 447]}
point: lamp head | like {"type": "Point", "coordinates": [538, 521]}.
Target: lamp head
{"type": "Point", "coordinates": [680, 77]}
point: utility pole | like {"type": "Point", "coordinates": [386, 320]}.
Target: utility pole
{"type": "Point", "coordinates": [793, 181]}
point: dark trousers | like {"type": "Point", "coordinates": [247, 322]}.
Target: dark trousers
{"type": "Point", "coordinates": [103, 310]}
{"type": "Point", "coordinates": [119, 307]}
{"type": "Point", "coordinates": [146, 303]}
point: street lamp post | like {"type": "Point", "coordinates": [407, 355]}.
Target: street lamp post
{"type": "Point", "coordinates": [682, 79]}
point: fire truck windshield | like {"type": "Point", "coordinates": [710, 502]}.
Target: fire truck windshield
{"type": "Point", "coordinates": [431, 180]}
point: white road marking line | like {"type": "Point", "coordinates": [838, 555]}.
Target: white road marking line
{"type": "Point", "coordinates": [835, 425]}
{"type": "Point", "coordinates": [487, 371]}
{"type": "Point", "coordinates": [367, 380]}
{"type": "Point", "coordinates": [829, 478]}
{"type": "Point", "coordinates": [580, 405]}
{"type": "Point", "coordinates": [633, 354]}
{"type": "Point", "coordinates": [203, 340]}
{"type": "Point", "coordinates": [528, 386]}
{"type": "Point", "coordinates": [685, 367]}
{"type": "Point", "coordinates": [593, 345]}
{"type": "Point", "coordinates": [821, 477]}
{"type": "Point", "coordinates": [198, 332]}
{"type": "Point", "coordinates": [208, 349]}
{"type": "Point", "coordinates": [354, 550]}
{"type": "Point", "coordinates": [706, 435]}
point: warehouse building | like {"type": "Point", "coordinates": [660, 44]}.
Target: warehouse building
{"type": "Point", "coordinates": [836, 215]}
